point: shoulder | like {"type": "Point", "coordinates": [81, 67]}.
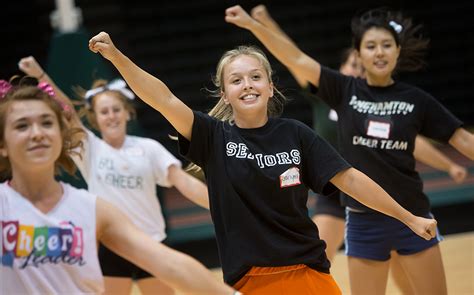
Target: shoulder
{"type": "Point", "coordinates": [288, 126]}
{"type": "Point", "coordinates": [292, 123]}
{"type": "Point", "coordinates": [78, 194]}
{"type": "Point", "coordinates": [414, 91]}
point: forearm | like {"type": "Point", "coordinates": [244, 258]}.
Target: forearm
{"type": "Point", "coordinates": [283, 48]}
{"type": "Point", "coordinates": [363, 189]}
{"type": "Point", "coordinates": [191, 187]}
{"type": "Point", "coordinates": [186, 274]}
{"type": "Point", "coordinates": [147, 87]}
{"type": "Point", "coordinates": [156, 94]}
{"type": "Point", "coordinates": [426, 153]}
{"type": "Point", "coordinates": [463, 141]}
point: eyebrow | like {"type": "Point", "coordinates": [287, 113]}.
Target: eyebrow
{"type": "Point", "coordinates": [251, 71]}
{"type": "Point", "coordinates": [43, 116]}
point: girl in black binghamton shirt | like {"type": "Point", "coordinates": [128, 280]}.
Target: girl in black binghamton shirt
{"type": "Point", "coordinates": [258, 169]}
{"type": "Point", "coordinates": [329, 213]}
{"type": "Point", "coordinates": [378, 121]}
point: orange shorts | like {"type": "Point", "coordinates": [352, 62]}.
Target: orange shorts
{"type": "Point", "coordinates": [285, 280]}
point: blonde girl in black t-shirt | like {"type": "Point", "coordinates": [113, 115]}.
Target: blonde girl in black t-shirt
{"type": "Point", "coordinates": [259, 169]}
{"type": "Point", "coordinates": [379, 119]}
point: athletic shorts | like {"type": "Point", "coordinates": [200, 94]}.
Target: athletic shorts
{"type": "Point", "coordinates": [286, 280]}
{"type": "Point", "coordinates": [373, 235]}
{"type": "Point", "coordinates": [115, 266]}
{"type": "Point", "coordinates": [329, 205]}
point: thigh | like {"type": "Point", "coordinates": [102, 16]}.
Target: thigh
{"type": "Point", "coordinates": [367, 276]}
{"type": "Point", "coordinates": [425, 271]}
{"type": "Point", "coordinates": [399, 276]}
{"type": "Point", "coordinates": [331, 230]}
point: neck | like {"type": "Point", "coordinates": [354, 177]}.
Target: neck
{"type": "Point", "coordinates": [38, 187]}
{"type": "Point", "coordinates": [379, 81]}
{"type": "Point", "coordinates": [115, 142]}
{"type": "Point", "coordinates": [250, 121]}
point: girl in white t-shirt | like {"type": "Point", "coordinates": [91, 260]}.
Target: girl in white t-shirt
{"type": "Point", "coordinates": [124, 170]}
{"type": "Point", "coordinates": [50, 229]}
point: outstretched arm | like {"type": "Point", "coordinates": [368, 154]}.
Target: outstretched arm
{"type": "Point", "coordinates": [32, 68]}
{"type": "Point", "coordinates": [463, 141]}
{"type": "Point", "coordinates": [191, 187]}
{"type": "Point", "coordinates": [359, 186]}
{"type": "Point", "coordinates": [150, 89]}
{"type": "Point", "coordinates": [261, 14]}
{"type": "Point", "coordinates": [282, 48]}
{"type": "Point", "coordinates": [426, 153]}
{"type": "Point", "coordinates": [178, 270]}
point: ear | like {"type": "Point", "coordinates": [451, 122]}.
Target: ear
{"type": "Point", "coordinates": [129, 117]}
{"type": "Point", "coordinates": [223, 97]}
{"type": "Point", "coordinates": [3, 152]}
{"type": "Point", "coordinates": [399, 48]}
{"type": "Point", "coordinates": [272, 89]}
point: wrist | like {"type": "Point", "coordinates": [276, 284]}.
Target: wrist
{"type": "Point", "coordinates": [41, 76]}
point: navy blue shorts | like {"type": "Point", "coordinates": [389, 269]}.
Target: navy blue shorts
{"type": "Point", "coordinates": [372, 236]}
{"type": "Point", "coordinates": [329, 205]}
{"type": "Point", "coordinates": [115, 266]}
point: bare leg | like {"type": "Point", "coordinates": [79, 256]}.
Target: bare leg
{"type": "Point", "coordinates": [367, 277]}
{"type": "Point", "coordinates": [425, 271]}
{"type": "Point", "coordinates": [117, 286]}
{"type": "Point", "coordinates": [399, 276]}
{"type": "Point", "coordinates": [331, 230]}
{"type": "Point", "coordinates": [150, 286]}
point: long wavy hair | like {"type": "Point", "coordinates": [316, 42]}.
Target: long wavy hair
{"type": "Point", "coordinates": [26, 89]}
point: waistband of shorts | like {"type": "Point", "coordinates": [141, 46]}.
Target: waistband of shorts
{"type": "Point", "coordinates": [265, 270]}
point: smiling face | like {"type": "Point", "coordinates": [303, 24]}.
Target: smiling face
{"type": "Point", "coordinates": [32, 136]}
{"type": "Point", "coordinates": [111, 116]}
{"type": "Point", "coordinates": [379, 54]}
{"type": "Point", "coordinates": [247, 88]}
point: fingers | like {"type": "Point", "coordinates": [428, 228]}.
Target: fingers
{"type": "Point", "coordinates": [99, 42]}
{"type": "Point", "coordinates": [29, 66]}
{"type": "Point", "coordinates": [430, 230]}
{"type": "Point", "coordinates": [259, 11]}
{"type": "Point", "coordinates": [458, 174]}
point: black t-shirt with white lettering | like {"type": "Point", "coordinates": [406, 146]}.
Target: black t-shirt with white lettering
{"type": "Point", "coordinates": [258, 182]}
{"type": "Point", "coordinates": [377, 127]}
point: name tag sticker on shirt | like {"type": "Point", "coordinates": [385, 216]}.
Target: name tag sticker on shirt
{"type": "Point", "coordinates": [290, 177]}
{"type": "Point", "coordinates": [378, 129]}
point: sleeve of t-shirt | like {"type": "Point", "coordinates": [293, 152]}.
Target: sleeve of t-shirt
{"type": "Point", "coordinates": [322, 162]}
{"type": "Point", "coordinates": [84, 160]}
{"type": "Point", "coordinates": [162, 159]}
{"type": "Point", "coordinates": [331, 86]}
{"type": "Point", "coordinates": [438, 122]}
{"type": "Point", "coordinates": [200, 147]}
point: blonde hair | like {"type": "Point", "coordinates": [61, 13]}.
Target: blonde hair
{"type": "Point", "coordinates": [223, 111]}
